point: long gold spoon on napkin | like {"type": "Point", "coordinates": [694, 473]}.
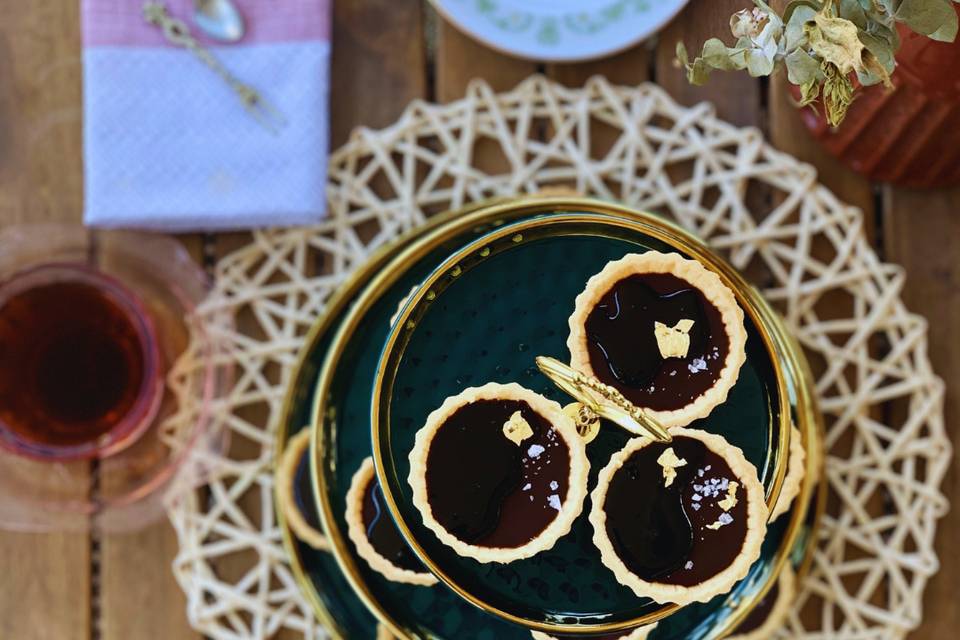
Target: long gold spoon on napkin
{"type": "Point", "coordinates": [178, 33]}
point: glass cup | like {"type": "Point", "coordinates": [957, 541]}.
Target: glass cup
{"type": "Point", "coordinates": [117, 387]}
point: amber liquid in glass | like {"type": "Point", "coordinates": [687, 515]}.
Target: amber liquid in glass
{"type": "Point", "coordinates": [71, 363]}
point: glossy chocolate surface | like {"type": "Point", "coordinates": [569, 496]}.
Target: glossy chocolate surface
{"type": "Point", "coordinates": [661, 532]}
{"type": "Point", "coordinates": [303, 492]}
{"type": "Point", "coordinates": [760, 613]}
{"type": "Point", "coordinates": [623, 347]}
{"type": "Point", "coordinates": [382, 531]}
{"type": "Point", "coordinates": [485, 489]}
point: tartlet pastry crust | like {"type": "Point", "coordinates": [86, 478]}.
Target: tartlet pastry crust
{"type": "Point", "coordinates": [357, 533]}
{"type": "Point", "coordinates": [577, 485]}
{"type": "Point", "coordinates": [796, 469]}
{"type": "Point", "coordinates": [787, 585]}
{"type": "Point", "coordinates": [297, 447]}
{"type": "Point", "coordinates": [712, 289]}
{"type": "Point", "coordinates": [640, 633]}
{"type": "Point", "coordinates": [723, 581]}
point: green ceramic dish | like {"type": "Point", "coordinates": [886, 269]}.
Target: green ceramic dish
{"type": "Point", "coordinates": [343, 349]}
{"type": "Point", "coordinates": [483, 316]}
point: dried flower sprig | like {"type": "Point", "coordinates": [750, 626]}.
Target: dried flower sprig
{"type": "Point", "coordinates": [822, 43]}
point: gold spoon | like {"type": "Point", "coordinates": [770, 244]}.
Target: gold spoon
{"type": "Point", "coordinates": [603, 400]}
{"type": "Point", "coordinates": [219, 19]}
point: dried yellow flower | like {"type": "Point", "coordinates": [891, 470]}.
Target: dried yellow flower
{"type": "Point", "coordinates": [835, 40]}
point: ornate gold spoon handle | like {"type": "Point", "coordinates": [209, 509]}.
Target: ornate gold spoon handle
{"type": "Point", "coordinates": [176, 32]}
{"type": "Point", "coordinates": [602, 399]}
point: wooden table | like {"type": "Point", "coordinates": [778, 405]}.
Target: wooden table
{"type": "Point", "coordinates": [65, 586]}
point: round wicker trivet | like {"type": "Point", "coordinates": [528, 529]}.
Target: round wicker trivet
{"type": "Point", "coordinates": [887, 447]}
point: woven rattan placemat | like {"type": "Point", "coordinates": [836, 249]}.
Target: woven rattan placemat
{"type": "Point", "coordinates": [887, 450]}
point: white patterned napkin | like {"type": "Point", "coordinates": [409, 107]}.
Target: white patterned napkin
{"type": "Point", "coordinates": [168, 145]}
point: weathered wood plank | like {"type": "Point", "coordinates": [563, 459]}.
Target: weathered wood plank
{"type": "Point", "coordinates": [46, 588]}
{"type": "Point", "coordinates": [629, 67]}
{"type": "Point", "coordinates": [460, 59]}
{"type": "Point", "coordinates": [138, 595]}
{"type": "Point", "coordinates": [378, 63]}
{"type": "Point", "coordinates": [921, 231]}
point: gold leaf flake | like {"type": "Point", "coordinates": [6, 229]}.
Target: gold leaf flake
{"type": "Point", "coordinates": [516, 429]}
{"type": "Point", "coordinates": [716, 525]}
{"type": "Point", "coordinates": [673, 342]}
{"type": "Point", "coordinates": [731, 500]}
{"type": "Point", "coordinates": [670, 462]}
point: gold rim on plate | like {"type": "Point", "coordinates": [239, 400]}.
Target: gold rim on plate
{"type": "Point", "coordinates": [336, 304]}
{"type": "Point", "coordinates": [807, 413]}
{"type": "Point", "coordinates": [765, 319]}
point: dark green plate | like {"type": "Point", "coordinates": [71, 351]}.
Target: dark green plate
{"type": "Point", "coordinates": [344, 347]}
{"type": "Point", "coordinates": [484, 316]}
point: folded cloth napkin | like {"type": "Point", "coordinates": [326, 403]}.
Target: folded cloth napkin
{"type": "Point", "coordinates": [168, 144]}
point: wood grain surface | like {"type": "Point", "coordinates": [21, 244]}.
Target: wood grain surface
{"type": "Point", "coordinates": [85, 586]}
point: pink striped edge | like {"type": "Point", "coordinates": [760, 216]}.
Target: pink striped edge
{"type": "Point", "coordinates": [112, 23]}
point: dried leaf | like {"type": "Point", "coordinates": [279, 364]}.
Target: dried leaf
{"type": "Point", "coordinates": [878, 61]}
{"type": "Point", "coordinates": [802, 68]}
{"type": "Point", "coordinates": [836, 42]}
{"type": "Point", "coordinates": [837, 94]}
{"type": "Point", "coordinates": [853, 11]}
{"type": "Point", "coordinates": [933, 18]}
{"type": "Point", "coordinates": [758, 64]}
{"type": "Point", "coordinates": [748, 23]}
{"type": "Point", "coordinates": [795, 5]}
{"type": "Point", "coordinates": [716, 54]}
{"type": "Point", "coordinates": [809, 93]}
{"type": "Point", "coordinates": [795, 31]}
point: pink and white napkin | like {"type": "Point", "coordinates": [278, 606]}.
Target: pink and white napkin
{"type": "Point", "coordinates": [168, 145]}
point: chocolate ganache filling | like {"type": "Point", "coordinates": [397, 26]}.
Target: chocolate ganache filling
{"type": "Point", "coordinates": [623, 347]}
{"type": "Point", "coordinates": [662, 534]}
{"type": "Point", "coordinates": [382, 531]}
{"type": "Point", "coordinates": [760, 613]}
{"type": "Point", "coordinates": [485, 489]}
{"type": "Point", "coordinates": [303, 493]}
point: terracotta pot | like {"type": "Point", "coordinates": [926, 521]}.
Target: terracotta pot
{"type": "Point", "coordinates": [908, 136]}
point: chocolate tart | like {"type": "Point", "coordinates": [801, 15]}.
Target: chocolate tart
{"type": "Point", "coordinates": [679, 521]}
{"type": "Point", "coordinates": [640, 633]}
{"type": "Point", "coordinates": [796, 469]}
{"type": "Point", "coordinates": [771, 612]}
{"type": "Point", "coordinates": [295, 494]}
{"type": "Point", "coordinates": [375, 534]}
{"type": "Point", "coordinates": [662, 330]}
{"type": "Point", "coordinates": [491, 497]}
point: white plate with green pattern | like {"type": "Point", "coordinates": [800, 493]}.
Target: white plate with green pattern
{"type": "Point", "coordinates": [559, 30]}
